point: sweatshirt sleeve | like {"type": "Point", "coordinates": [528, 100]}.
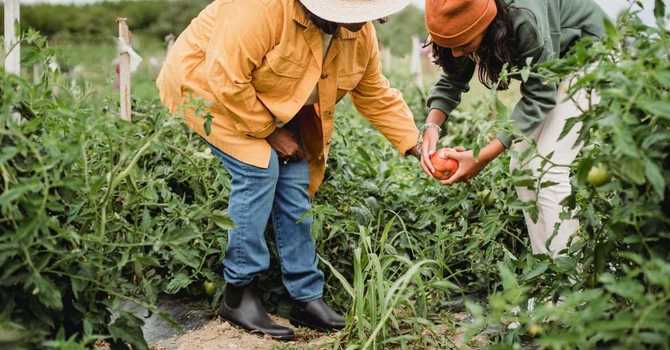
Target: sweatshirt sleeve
{"type": "Point", "coordinates": [446, 94]}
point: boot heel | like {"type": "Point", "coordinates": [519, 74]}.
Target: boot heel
{"type": "Point", "coordinates": [250, 315]}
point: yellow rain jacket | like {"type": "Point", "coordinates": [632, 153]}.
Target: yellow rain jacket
{"type": "Point", "coordinates": [253, 65]}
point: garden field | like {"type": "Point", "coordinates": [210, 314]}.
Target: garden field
{"type": "Point", "coordinates": [97, 214]}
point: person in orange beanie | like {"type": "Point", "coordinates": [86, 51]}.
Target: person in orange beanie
{"type": "Point", "coordinates": [491, 35]}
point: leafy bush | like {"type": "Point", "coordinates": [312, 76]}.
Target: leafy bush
{"type": "Point", "coordinates": [96, 211]}
{"type": "Point", "coordinates": [93, 22]}
{"type": "Point", "coordinates": [612, 290]}
{"type": "Point", "coordinates": [397, 32]}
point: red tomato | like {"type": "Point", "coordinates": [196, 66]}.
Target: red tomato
{"type": "Point", "coordinates": [443, 167]}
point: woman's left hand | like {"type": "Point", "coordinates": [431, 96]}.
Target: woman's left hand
{"type": "Point", "coordinates": [468, 165]}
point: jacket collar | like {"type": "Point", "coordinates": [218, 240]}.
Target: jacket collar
{"type": "Point", "coordinates": [299, 14]}
{"type": "Point", "coordinates": [346, 34]}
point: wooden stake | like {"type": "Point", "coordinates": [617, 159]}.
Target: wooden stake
{"type": "Point", "coordinates": [387, 59]}
{"type": "Point", "coordinates": [124, 71]}
{"type": "Point", "coordinates": [38, 71]}
{"type": "Point", "coordinates": [12, 45]}
{"type": "Point", "coordinates": [169, 40]}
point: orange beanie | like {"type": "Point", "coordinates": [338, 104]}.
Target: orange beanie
{"type": "Point", "coordinates": [454, 23]}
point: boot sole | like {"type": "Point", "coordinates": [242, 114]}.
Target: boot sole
{"type": "Point", "coordinates": [297, 323]}
{"type": "Point", "coordinates": [255, 332]}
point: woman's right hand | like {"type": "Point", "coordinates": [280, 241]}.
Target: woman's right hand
{"type": "Point", "coordinates": [429, 146]}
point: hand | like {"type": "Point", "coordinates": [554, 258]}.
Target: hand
{"type": "Point", "coordinates": [414, 152]}
{"type": "Point", "coordinates": [428, 148]}
{"type": "Point", "coordinates": [284, 142]}
{"type": "Point", "coordinates": [468, 165]}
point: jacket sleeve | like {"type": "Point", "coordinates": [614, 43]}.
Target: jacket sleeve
{"type": "Point", "coordinates": [537, 96]}
{"type": "Point", "coordinates": [238, 45]}
{"type": "Point", "coordinates": [384, 106]}
{"type": "Point", "coordinates": [446, 94]}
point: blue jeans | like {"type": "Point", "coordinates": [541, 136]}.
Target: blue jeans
{"type": "Point", "coordinates": [279, 191]}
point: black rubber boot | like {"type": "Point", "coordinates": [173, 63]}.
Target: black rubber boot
{"type": "Point", "coordinates": [242, 307]}
{"type": "Point", "coordinates": [316, 315]}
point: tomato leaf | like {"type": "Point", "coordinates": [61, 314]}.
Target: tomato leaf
{"type": "Point", "coordinates": [537, 271]}
{"type": "Point", "coordinates": [546, 184]}
{"type": "Point", "coordinates": [208, 124]}
{"type": "Point", "coordinates": [128, 328]}
{"type": "Point", "coordinates": [658, 108]}
{"type": "Point", "coordinates": [18, 191]}
{"type": "Point", "coordinates": [655, 177]}
{"type": "Point", "coordinates": [659, 10]}
{"type": "Point", "coordinates": [623, 139]}
{"type": "Point", "coordinates": [611, 30]}
{"type": "Point", "coordinates": [222, 220]}
{"type": "Point", "coordinates": [177, 283]}
{"type": "Point", "coordinates": [47, 292]}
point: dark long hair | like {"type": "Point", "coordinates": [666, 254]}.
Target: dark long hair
{"type": "Point", "coordinates": [495, 51]}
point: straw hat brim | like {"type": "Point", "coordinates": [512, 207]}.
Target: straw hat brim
{"type": "Point", "coordinates": [354, 11]}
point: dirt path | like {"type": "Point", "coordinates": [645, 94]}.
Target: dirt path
{"type": "Point", "coordinates": [201, 329]}
{"type": "Point", "coordinates": [220, 335]}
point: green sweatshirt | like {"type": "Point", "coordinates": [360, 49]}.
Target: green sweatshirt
{"type": "Point", "coordinates": [545, 32]}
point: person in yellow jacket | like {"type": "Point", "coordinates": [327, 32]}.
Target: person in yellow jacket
{"type": "Point", "coordinates": [269, 74]}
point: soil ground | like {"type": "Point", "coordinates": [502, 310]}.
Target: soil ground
{"type": "Point", "coordinates": [221, 335]}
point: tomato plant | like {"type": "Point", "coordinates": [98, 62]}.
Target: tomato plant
{"type": "Point", "coordinates": [96, 212]}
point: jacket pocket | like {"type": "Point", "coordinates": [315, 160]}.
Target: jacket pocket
{"type": "Point", "coordinates": [347, 81]}
{"type": "Point", "coordinates": [285, 66]}
{"type": "Point", "coordinates": [278, 72]}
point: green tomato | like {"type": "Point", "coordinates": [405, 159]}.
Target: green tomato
{"type": "Point", "coordinates": [598, 176]}
{"type": "Point", "coordinates": [209, 287]}
{"type": "Point", "coordinates": [534, 330]}
{"type": "Point", "coordinates": [486, 197]}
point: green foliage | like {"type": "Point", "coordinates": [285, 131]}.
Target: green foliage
{"type": "Point", "coordinates": [96, 211]}
{"type": "Point", "coordinates": [156, 19]}
{"type": "Point", "coordinates": [377, 218]}
{"type": "Point", "coordinates": [611, 290]}
{"type": "Point", "coordinates": [93, 22]}
{"type": "Point", "coordinates": [396, 34]}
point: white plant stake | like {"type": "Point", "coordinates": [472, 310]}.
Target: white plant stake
{"type": "Point", "coordinates": [169, 41]}
{"type": "Point", "coordinates": [38, 71]}
{"type": "Point", "coordinates": [124, 69]}
{"type": "Point", "coordinates": [387, 59]}
{"type": "Point", "coordinates": [12, 45]}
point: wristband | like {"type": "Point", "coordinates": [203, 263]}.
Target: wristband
{"type": "Point", "coordinates": [431, 126]}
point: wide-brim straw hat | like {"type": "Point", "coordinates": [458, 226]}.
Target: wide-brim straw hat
{"type": "Point", "coordinates": [354, 11]}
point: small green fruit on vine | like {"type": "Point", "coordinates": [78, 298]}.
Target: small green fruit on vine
{"type": "Point", "coordinates": [534, 329]}
{"type": "Point", "coordinates": [209, 287]}
{"type": "Point", "coordinates": [598, 176]}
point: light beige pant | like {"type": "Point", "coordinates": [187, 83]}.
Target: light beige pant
{"type": "Point", "coordinates": [562, 152]}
